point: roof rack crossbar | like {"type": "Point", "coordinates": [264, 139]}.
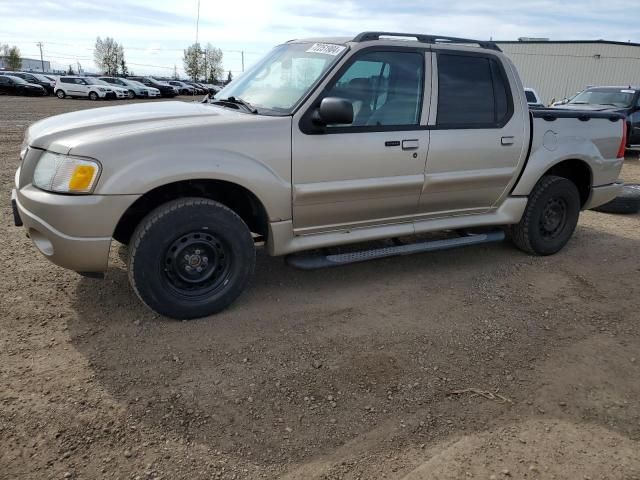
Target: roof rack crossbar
{"type": "Point", "coordinates": [433, 39]}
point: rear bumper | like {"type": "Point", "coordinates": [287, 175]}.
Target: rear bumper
{"type": "Point", "coordinates": [603, 194]}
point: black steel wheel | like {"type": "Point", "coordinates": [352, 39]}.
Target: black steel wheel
{"type": "Point", "coordinates": [190, 258]}
{"type": "Point", "coordinates": [553, 218]}
{"type": "Point", "coordinates": [550, 217]}
{"type": "Point", "coordinates": [197, 263]}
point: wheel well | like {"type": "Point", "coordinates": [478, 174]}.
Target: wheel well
{"type": "Point", "coordinates": [244, 203]}
{"type": "Point", "coordinates": [578, 172]}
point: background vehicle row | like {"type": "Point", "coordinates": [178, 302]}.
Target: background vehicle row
{"type": "Point", "coordinates": [10, 85]}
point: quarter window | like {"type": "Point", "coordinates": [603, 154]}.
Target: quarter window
{"type": "Point", "coordinates": [472, 92]}
{"type": "Point", "coordinates": [385, 88]}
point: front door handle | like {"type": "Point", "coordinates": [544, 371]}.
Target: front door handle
{"type": "Point", "coordinates": [506, 141]}
{"type": "Point", "coordinates": [410, 144]}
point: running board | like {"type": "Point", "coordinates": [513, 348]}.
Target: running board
{"type": "Point", "coordinates": [315, 260]}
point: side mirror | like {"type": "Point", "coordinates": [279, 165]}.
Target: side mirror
{"type": "Point", "coordinates": [334, 110]}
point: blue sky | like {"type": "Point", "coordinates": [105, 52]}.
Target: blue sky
{"type": "Point", "coordinates": [154, 33]}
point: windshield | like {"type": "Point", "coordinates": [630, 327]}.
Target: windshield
{"type": "Point", "coordinates": [280, 80]}
{"type": "Point", "coordinates": [17, 79]}
{"type": "Point", "coordinates": [136, 83]}
{"type": "Point", "coordinates": [42, 78]}
{"type": "Point", "coordinates": [617, 97]}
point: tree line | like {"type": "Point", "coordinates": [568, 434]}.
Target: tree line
{"type": "Point", "coordinates": [200, 64]}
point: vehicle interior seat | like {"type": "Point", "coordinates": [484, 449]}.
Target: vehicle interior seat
{"type": "Point", "coordinates": [403, 98]}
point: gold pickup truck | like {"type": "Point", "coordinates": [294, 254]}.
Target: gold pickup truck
{"type": "Point", "coordinates": [324, 142]}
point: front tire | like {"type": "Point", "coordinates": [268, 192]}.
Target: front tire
{"type": "Point", "coordinates": [93, 96]}
{"type": "Point", "coordinates": [550, 217]}
{"type": "Point", "coordinates": [131, 94]}
{"type": "Point", "coordinates": [190, 258]}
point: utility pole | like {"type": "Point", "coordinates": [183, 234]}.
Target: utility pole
{"type": "Point", "coordinates": [242, 53]}
{"type": "Point", "coordinates": [198, 21]}
{"type": "Point", "coordinates": [39, 44]}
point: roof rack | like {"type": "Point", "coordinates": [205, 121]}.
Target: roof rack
{"type": "Point", "coordinates": [433, 39]}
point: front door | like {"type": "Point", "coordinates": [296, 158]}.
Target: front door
{"type": "Point", "coordinates": [634, 126]}
{"type": "Point", "coordinates": [478, 134]}
{"type": "Point", "coordinates": [372, 170]}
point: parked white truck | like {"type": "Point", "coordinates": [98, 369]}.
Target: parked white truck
{"type": "Point", "coordinates": [324, 142]}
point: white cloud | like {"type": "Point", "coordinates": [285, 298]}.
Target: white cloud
{"type": "Point", "coordinates": [155, 32]}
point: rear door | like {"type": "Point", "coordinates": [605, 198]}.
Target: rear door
{"type": "Point", "coordinates": [478, 133]}
{"type": "Point", "coordinates": [370, 171]}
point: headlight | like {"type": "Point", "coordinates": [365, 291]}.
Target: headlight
{"type": "Point", "coordinates": [65, 174]}
{"type": "Point", "coordinates": [102, 89]}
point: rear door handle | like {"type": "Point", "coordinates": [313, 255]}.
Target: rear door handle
{"type": "Point", "coordinates": [506, 141]}
{"type": "Point", "coordinates": [410, 144]}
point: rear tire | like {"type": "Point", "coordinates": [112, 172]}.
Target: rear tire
{"type": "Point", "coordinates": [550, 217]}
{"type": "Point", "coordinates": [190, 258]}
{"type": "Point", "coordinates": [60, 94]}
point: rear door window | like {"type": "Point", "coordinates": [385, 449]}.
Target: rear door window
{"type": "Point", "coordinates": [472, 92]}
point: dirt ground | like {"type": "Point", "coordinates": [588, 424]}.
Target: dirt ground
{"type": "Point", "coordinates": [362, 372]}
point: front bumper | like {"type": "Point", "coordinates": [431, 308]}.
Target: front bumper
{"type": "Point", "coordinates": [82, 254]}
{"type": "Point", "coordinates": [603, 194]}
{"type": "Point", "coordinates": [72, 231]}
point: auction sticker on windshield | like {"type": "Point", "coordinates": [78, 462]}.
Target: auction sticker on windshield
{"type": "Point", "coordinates": [326, 48]}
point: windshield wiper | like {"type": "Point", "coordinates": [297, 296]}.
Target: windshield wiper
{"type": "Point", "coordinates": [236, 101]}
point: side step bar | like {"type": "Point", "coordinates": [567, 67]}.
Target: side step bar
{"type": "Point", "coordinates": [315, 260]}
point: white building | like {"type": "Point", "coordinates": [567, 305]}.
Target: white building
{"type": "Point", "coordinates": [558, 69]}
{"type": "Point", "coordinates": [28, 65]}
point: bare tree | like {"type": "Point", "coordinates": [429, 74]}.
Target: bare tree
{"type": "Point", "coordinates": [193, 62]}
{"type": "Point", "coordinates": [213, 63]}
{"type": "Point", "coordinates": [108, 55]}
{"type": "Point", "coordinates": [12, 55]}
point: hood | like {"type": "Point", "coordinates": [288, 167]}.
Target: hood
{"type": "Point", "coordinates": [62, 132]}
{"type": "Point", "coordinates": [590, 107]}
